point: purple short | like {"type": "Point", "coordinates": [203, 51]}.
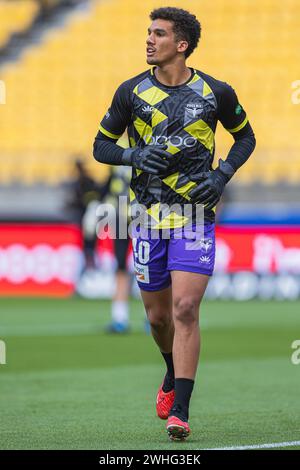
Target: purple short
{"type": "Point", "coordinates": [155, 257]}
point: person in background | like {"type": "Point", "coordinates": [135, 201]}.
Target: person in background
{"type": "Point", "coordinates": [85, 193]}
{"type": "Point", "coordinates": [118, 185]}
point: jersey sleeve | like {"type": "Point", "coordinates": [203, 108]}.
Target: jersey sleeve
{"type": "Point", "coordinates": [231, 114]}
{"type": "Point", "coordinates": [118, 115]}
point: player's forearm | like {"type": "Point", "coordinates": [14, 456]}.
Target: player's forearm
{"type": "Point", "coordinates": [242, 148]}
{"type": "Point", "coordinates": [106, 151]}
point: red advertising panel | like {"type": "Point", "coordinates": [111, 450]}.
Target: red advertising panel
{"type": "Point", "coordinates": [39, 259]}
{"type": "Point", "coordinates": [47, 259]}
{"type": "Point", "coordinates": [263, 250]}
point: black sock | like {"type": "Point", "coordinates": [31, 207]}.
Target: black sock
{"type": "Point", "coordinates": [183, 392]}
{"type": "Point", "coordinates": [168, 384]}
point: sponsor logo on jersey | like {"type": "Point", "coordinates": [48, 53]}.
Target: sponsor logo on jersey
{"type": "Point", "coordinates": [194, 109]}
{"type": "Point", "coordinates": [174, 140]}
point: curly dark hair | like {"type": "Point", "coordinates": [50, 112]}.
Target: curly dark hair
{"type": "Point", "coordinates": [186, 26]}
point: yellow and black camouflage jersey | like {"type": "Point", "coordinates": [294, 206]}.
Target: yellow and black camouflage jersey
{"type": "Point", "coordinates": [185, 118]}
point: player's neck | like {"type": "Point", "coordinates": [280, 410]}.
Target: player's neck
{"type": "Point", "coordinates": [173, 74]}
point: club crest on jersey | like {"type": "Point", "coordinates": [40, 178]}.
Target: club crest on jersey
{"type": "Point", "coordinates": [194, 110]}
{"type": "Point", "coordinates": [206, 244]}
{"type": "Point", "coordinates": [147, 109]}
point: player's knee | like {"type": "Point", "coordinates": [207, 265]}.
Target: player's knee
{"type": "Point", "coordinates": [158, 318]}
{"type": "Point", "coordinates": [186, 310]}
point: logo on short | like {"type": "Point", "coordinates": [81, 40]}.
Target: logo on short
{"type": "Point", "coordinates": [204, 259]}
{"type": "Point", "coordinates": [206, 244]}
{"type": "Point", "coordinates": [107, 115]}
{"type": "Point", "coordinates": [142, 273]}
{"type": "Point", "coordinates": [194, 109]}
{"type": "Point", "coordinates": [147, 109]}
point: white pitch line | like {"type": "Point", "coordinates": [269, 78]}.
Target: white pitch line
{"type": "Point", "coordinates": [260, 446]}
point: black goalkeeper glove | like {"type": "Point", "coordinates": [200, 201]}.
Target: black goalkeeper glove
{"type": "Point", "coordinates": [152, 159]}
{"type": "Point", "coordinates": [212, 184]}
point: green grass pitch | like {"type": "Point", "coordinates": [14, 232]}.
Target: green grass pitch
{"type": "Point", "coordinates": [67, 385]}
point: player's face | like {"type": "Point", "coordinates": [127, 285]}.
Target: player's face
{"type": "Point", "coordinates": [162, 46]}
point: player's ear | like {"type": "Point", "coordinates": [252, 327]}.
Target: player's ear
{"type": "Point", "coordinates": [182, 46]}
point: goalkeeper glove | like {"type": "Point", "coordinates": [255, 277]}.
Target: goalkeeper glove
{"type": "Point", "coordinates": [152, 159]}
{"type": "Point", "coordinates": [212, 184]}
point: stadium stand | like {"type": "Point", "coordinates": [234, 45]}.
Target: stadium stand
{"type": "Point", "coordinates": [61, 87]}
{"type": "Point", "coordinates": [16, 16]}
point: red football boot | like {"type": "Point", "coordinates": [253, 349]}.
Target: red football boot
{"type": "Point", "coordinates": [164, 402]}
{"type": "Point", "coordinates": [177, 429]}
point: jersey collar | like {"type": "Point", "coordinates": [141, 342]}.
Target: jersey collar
{"type": "Point", "coordinates": [176, 86]}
